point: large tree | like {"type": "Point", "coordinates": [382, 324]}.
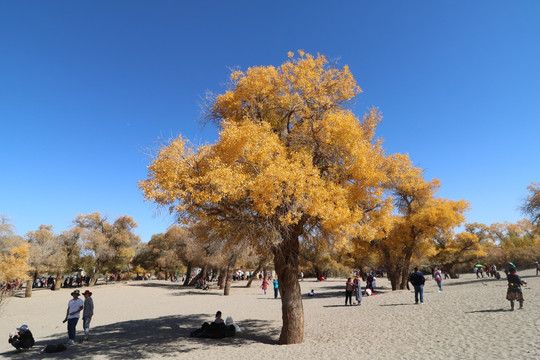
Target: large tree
{"type": "Point", "coordinates": [290, 156]}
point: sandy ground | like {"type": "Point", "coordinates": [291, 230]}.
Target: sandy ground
{"type": "Point", "coordinates": [470, 319]}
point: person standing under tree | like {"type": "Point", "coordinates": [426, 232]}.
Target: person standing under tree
{"type": "Point", "coordinates": [88, 312]}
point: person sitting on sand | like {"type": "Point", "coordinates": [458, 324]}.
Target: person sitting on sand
{"type": "Point", "coordinates": [218, 319]}
{"type": "Point", "coordinates": [514, 287]}
{"type": "Point", "coordinates": [22, 339]}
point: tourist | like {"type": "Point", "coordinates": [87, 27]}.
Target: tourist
{"type": "Point", "coordinates": [264, 286]}
{"type": "Point", "coordinates": [75, 306]}
{"type": "Point", "coordinates": [349, 286]}
{"type": "Point", "coordinates": [218, 319]}
{"type": "Point", "coordinates": [22, 339]}
{"type": "Point", "coordinates": [417, 279]}
{"type": "Point", "coordinates": [88, 312]}
{"type": "Point", "coordinates": [514, 287]}
{"type": "Point", "coordinates": [437, 275]}
{"type": "Point", "coordinates": [369, 282]}
{"type": "Point", "coordinates": [536, 267]}
{"type": "Point", "coordinates": [358, 290]}
{"type": "Point", "coordinates": [276, 289]}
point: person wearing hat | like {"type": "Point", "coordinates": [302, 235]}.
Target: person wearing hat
{"type": "Point", "coordinates": [73, 313]}
{"type": "Point", "coordinates": [514, 287]}
{"type": "Point", "coordinates": [88, 312]}
{"type": "Point", "coordinates": [22, 339]}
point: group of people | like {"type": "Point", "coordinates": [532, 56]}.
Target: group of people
{"type": "Point", "coordinates": [23, 339]}
{"type": "Point", "coordinates": [76, 281]}
{"type": "Point", "coordinates": [275, 283]}
{"type": "Point", "coordinates": [353, 287]}
{"type": "Point", "coordinates": [514, 292]}
{"type": "Point", "coordinates": [73, 313]}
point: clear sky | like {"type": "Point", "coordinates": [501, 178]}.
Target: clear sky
{"type": "Point", "coordinates": [88, 87]}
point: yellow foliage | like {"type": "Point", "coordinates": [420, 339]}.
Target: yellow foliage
{"type": "Point", "coordinates": [288, 154]}
{"type": "Point", "coordinates": [15, 264]}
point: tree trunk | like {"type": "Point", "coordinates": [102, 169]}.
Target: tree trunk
{"type": "Point", "coordinates": [28, 291]}
{"type": "Point", "coordinates": [58, 281]}
{"type": "Point", "coordinates": [394, 277]}
{"type": "Point", "coordinates": [95, 275]}
{"type": "Point", "coordinates": [286, 263]}
{"type": "Point", "coordinates": [228, 281]}
{"type": "Point", "coordinates": [254, 274]}
{"type": "Point", "coordinates": [188, 274]}
{"type": "Point", "coordinates": [230, 269]}
{"type": "Point", "coordinates": [221, 278]}
{"type": "Point", "coordinates": [202, 274]}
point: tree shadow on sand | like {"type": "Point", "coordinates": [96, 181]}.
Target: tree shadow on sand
{"type": "Point", "coordinates": [487, 311]}
{"type": "Point", "coordinates": [139, 339]}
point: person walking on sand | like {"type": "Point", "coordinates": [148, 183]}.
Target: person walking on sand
{"type": "Point", "coordinates": [73, 313]}
{"type": "Point", "coordinates": [418, 280]}
{"type": "Point", "coordinates": [349, 286]}
{"type": "Point", "coordinates": [88, 312]}
{"type": "Point", "coordinates": [514, 287]}
{"type": "Point", "coordinates": [536, 266]}
{"type": "Point", "coordinates": [437, 275]}
{"type": "Point", "coordinates": [358, 290]}
{"type": "Point", "coordinates": [264, 285]}
{"type": "Point", "coordinates": [276, 289]}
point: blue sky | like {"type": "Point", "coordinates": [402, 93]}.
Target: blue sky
{"type": "Point", "coordinates": [87, 88]}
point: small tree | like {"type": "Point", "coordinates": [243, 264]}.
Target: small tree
{"type": "Point", "coordinates": [110, 245]}
{"type": "Point", "coordinates": [13, 266]}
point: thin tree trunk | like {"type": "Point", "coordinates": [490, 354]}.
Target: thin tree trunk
{"type": "Point", "coordinates": [254, 274]}
{"type": "Point", "coordinates": [202, 274]}
{"type": "Point", "coordinates": [28, 291]}
{"type": "Point", "coordinates": [95, 275]}
{"type": "Point", "coordinates": [188, 274]}
{"type": "Point", "coordinates": [228, 281]}
{"type": "Point", "coordinates": [286, 262]}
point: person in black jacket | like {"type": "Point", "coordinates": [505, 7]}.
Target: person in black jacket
{"type": "Point", "coordinates": [417, 279]}
{"type": "Point", "coordinates": [23, 339]}
{"type": "Point", "coordinates": [514, 287]}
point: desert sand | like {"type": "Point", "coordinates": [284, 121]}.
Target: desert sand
{"type": "Point", "coordinates": [470, 319]}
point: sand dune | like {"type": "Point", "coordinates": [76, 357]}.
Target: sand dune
{"type": "Point", "coordinates": [470, 319]}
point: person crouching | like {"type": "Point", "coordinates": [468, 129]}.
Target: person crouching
{"type": "Point", "coordinates": [23, 339]}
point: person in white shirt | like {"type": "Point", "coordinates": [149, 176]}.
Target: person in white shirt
{"type": "Point", "coordinates": [73, 313]}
